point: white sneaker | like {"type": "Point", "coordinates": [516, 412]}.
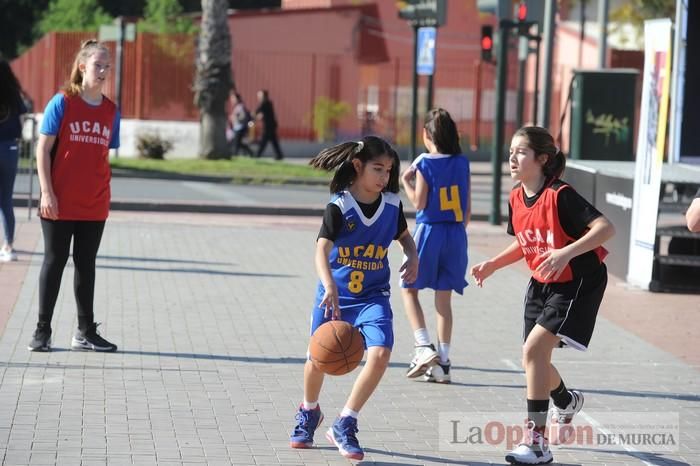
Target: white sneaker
{"type": "Point", "coordinates": [439, 373]}
{"type": "Point", "coordinates": [562, 417]}
{"type": "Point", "coordinates": [8, 255]}
{"type": "Point", "coordinates": [424, 357]}
{"type": "Point", "coordinates": [535, 450]}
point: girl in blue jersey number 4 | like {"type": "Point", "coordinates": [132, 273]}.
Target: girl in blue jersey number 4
{"type": "Point", "coordinates": [560, 235]}
{"type": "Point", "coordinates": [438, 186]}
{"type": "Point", "coordinates": [364, 216]}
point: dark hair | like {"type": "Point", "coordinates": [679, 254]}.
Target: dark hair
{"type": "Point", "coordinates": [540, 141]}
{"type": "Point", "coordinates": [442, 130]}
{"type": "Point", "coordinates": [341, 156]}
{"type": "Point", "coordinates": [10, 89]}
{"type": "Point", "coordinates": [265, 94]}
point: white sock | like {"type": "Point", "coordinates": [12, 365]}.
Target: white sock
{"type": "Point", "coordinates": [310, 404]}
{"type": "Point", "coordinates": [421, 336]}
{"type": "Point", "coordinates": [444, 352]}
{"type": "Point", "coordinates": [349, 412]}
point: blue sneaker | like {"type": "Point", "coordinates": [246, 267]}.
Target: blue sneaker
{"type": "Point", "coordinates": [342, 435]}
{"type": "Point", "coordinates": [308, 422]}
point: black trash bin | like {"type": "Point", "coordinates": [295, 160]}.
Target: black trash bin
{"type": "Point", "coordinates": [602, 114]}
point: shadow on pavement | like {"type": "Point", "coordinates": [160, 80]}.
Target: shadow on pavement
{"type": "Point", "coordinates": [649, 458]}
{"type": "Point", "coordinates": [159, 259]}
{"type": "Point", "coordinates": [194, 270]}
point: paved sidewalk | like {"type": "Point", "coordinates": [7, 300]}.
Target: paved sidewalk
{"type": "Point", "coordinates": [210, 313]}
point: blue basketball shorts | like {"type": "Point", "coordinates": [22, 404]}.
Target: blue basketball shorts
{"type": "Point", "coordinates": [372, 316]}
{"type": "Point", "coordinates": [442, 255]}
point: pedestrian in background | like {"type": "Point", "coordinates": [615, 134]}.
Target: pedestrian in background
{"type": "Point", "coordinates": [438, 186]}
{"type": "Point", "coordinates": [238, 122]}
{"type": "Point", "coordinates": [11, 109]}
{"type": "Point", "coordinates": [80, 125]}
{"type": "Point", "coordinates": [266, 114]}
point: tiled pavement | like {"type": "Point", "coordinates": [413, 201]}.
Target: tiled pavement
{"type": "Point", "coordinates": [211, 317]}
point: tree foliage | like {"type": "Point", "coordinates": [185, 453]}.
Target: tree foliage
{"type": "Point", "coordinates": [73, 15]}
{"type": "Point", "coordinates": [165, 16]}
{"type": "Point", "coordinates": [635, 12]}
{"type": "Point", "coordinates": [18, 18]}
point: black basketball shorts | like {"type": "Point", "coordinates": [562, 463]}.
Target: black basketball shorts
{"type": "Point", "coordinates": [568, 310]}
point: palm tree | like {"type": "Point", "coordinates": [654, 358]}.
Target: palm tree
{"type": "Point", "coordinates": [213, 81]}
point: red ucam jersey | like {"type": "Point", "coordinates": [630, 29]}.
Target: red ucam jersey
{"type": "Point", "coordinates": [80, 172]}
{"type": "Point", "coordinates": [538, 229]}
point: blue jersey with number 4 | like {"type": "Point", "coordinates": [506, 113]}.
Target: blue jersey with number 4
{"type": "Point", "coordinates": [447, 177]}
{"type": "Point", "coordinates": [359, 260]}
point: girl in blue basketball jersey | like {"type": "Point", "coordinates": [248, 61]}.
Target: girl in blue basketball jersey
{"type": "Point", "coordinates": [364, 216]}
{"type": "Point", "coordinates": [438, 185]}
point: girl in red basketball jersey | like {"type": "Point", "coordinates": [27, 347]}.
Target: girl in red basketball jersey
{"type": "Point", "coordinates": [560, 236]}
{"type": "Point", "coordinates": [80, 125]}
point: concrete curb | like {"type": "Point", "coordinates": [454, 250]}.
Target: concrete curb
{"type": "Point", "coordinates": [215, 208]}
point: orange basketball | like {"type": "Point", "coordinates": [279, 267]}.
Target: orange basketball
{"type": "Point", "coordinates": [336, 347]}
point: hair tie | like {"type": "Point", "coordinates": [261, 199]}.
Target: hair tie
{"type": "Point", "coordinates": [360, 146]}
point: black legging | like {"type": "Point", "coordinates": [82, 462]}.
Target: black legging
{"type": "Point", "coordinates": [86, 241]}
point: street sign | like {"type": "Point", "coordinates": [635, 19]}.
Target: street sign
{"type": "Point", "coordinates": [112, 32]}
{"type": "Point", "coordinates": [425, 66]}
{"type": "Point", "coordinates": [423, 12]}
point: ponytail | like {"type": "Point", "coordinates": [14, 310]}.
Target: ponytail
{"type": "Point", "coordinates": [442, 130]}
{"type": "Point", "coordinates": [341, 156]}
{"type": "Point", "coordinates": [555, 165]}
{"type": "Point", "coordinates": [75, 82]}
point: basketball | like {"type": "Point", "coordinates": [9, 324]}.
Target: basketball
{"type": "Point", "coordinates": [336, 347]}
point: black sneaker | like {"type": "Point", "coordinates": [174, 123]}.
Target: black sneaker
{"type": "Point", "coordinates": [41, 340]}
{"type": "Point", "coordinates": [439, 373]}
{"type": "Point", "coordinates": [90, 340]}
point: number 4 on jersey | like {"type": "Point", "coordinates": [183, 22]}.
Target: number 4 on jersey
{"type": "Point", "coordinates": [452, 202]}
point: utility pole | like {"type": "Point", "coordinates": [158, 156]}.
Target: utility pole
{"type": "Point", "coordinates": [550, 11]}
{"type": "Point", "coordinates": [414, 100]}
{"type": "Point", "coordinates": [603, 41]}
{"type": "Point", "coordinates": [499, 123]}
{"type": "Point", "coordinates": [119, 21]}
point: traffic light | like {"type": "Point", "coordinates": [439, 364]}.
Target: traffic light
{"type": "Point", "coordinates": [486, 42]}
{"type": "Point", "coordinates": [522, 12]}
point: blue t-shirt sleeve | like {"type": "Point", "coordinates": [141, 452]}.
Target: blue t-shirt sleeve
{"type": "Point", "coordinates": [53, 114]}
{"type": "Point", "coordinates": [114, 142]}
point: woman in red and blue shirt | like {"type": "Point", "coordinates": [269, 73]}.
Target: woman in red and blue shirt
{"type": "Point", "coordinates": [79, 127]}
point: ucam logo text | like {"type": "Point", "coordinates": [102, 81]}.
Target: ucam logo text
{"type": "Point", "coordinates": [90, 127]}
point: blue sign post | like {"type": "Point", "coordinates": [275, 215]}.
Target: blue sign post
{"type": "Point", "coordinates": [425, 65]}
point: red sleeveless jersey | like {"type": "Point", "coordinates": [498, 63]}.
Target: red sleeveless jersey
{"type": "Point", "coordinates": [538, 229]}
{"type": "Point", "coordinates": [80, 172]}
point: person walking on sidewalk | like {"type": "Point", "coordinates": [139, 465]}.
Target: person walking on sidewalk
{"type": "Point", "coordinates": [239, 120]}
{"type": "Point", "coordinates": [560, 235]}
{"type": "Point", "coordinates": [80, 125]}
{"type": "Point", "coordinates": [364, 216]}
{"type": "Point", "coordinates": [266, 113]}
{"type": "Point", "coordinates": [11, 109]}
{"type": "Point", "coordinates": [438, 186]}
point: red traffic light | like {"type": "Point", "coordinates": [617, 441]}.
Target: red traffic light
{"type": "Point", "coordinates": [486, 42]}
{"type": "Point", "coordinates": [522, 11]}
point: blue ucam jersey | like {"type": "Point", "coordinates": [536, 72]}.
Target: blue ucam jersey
{"type": "Point", "coordinates": [358, 260]}
{"type": "Point", "coordinates": [448, 187]}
